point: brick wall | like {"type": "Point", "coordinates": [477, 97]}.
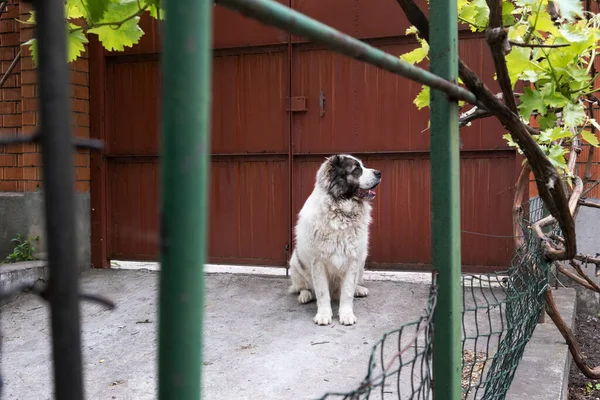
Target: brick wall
{"type": "Point", "coordinates": [21, 165]}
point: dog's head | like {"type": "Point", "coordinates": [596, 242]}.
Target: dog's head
{"type": "Point", "coordinates": [343, 176]}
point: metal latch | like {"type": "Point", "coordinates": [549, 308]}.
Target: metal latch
{"type": "Point", "coordinates": [296, 104]}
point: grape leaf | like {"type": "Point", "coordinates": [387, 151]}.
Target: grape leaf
{"type": "Point", "coordinates": [531, 100]}
{"type": "Point", "coordinates": [547, 121]}
{"type": "Point", "coordinates": [556, 155]}
{"type": "Point", "coordinates": [573, 114]}
{"type": "Point", "coordinates": [75, 45]}
{"type": "Point", "coordinates": [570, 8]}
{"type": "Point", "coordinates": [32, 43]}
{"type": "Point", "coordinates": [552, 134]}
{"type": "Point", "coordinates": [125, 35]}
{"type": "Point", "coordinates": [551, 97]}
{"type": "Point", "coordinates": [517, 61]}
{"type": "Point", "coordinates": [590, 138]}
{"type": "Point", "coordinates": [476, 12]}
{"type": "Point", "coordinates": [422, 99]}
{"type": "Point", "coordinates": [95, 9]}
{"type": "Point", "coordinates": [417, 55]}
{"type": "Point", "coordinates": [73, 10]}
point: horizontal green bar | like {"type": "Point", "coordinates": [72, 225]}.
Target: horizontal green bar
{"type": "Point", "coordinates": [272, 13]}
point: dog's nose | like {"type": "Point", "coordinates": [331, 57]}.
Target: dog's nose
{"type": "Point", "coordinates": [377, 173]}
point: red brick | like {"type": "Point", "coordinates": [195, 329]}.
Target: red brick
{"type": "Point", "coordinates": [27, 63]}
{"type": "Point", "coordinates": [11, 94]}
{"type": "Point", "coordinates": [31, 186]}
{"type": "Point", "coordinates": [29, 105]}
{"type": "Point", "coordinates": [10, 39]}
{"type": "Point", "coordinates": [8, 107]}
{"type": "Point", "coordinates": [12, 121]}
{"type": "Point", "coordinates": [30, 173]}
{"type": "Point", "coordinates": [12, 174]}
{"type": "Point", "coordinates": [28, 91]}
{"type": "Point", "coordinates": [31, 147]}
{"type": "Point", "coordinates": [80, 106]}
{"type": "Point", "coordinates": [26, 34]}
{"type": "Point", "coordinates": [29, 118]}
{"type": "Point", "coordinates": [83, 174]}
{"type": "Point", "coordinates": [79, 78]}
{"type": "Point", "coordinates": [32, 160]}
{"type": "Point", "coordinates": [7, 26]}
{"type": "Point", "coordinates": [6, 64]}
{"type": "Point", "coordinates": [29, 129]}
{"type": "Point", "coordinates": [82, 64]}
{"type": "Point", "coordinates": [8, 160]}
{"type": "Point", "coordinates": [82, 160]}
{"type": "Point", "coordinates": [81, 131]}
{"type": "Point", "coordinates": [28, 77]}
{"type": "Point", "coordinates": [11, 11]}
{"type": "Point", "coordinates": [7, 53]}
{"type": "Point", "coordinates": [14, 149]}
{"type": "Point", "coordinates": [83, 120]}
{"type": "Point", "coordinates": [81, 92]}
{"type": "Point", "coordinates": [82, 186]}
{"type": "Point", "coordinates": [8, 186]}
{"type": "Point", "coordinates": [13, 81]}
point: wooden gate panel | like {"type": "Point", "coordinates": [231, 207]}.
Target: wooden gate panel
{"type": "Point", "coordinates": [249, 94]}
{"type": "Point", "coordinates": [248, 203]}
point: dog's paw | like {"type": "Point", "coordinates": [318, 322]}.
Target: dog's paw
{"type": "Point", "coordinates": [323, 318]}
{"type": "Point", "coordinates": [361, 291]}
{"type": "Point", "coordinates": [305, 296]}
{"type": "Point", "coordinates": [347, 317]}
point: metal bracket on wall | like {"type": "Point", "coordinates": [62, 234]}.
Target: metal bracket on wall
{"type": "Point", "coordinates": [321, 104]}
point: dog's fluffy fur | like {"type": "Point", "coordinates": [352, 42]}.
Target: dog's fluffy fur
{"type": "Point", "coordinates": [332, 236]}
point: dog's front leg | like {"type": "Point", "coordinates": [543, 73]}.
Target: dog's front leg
{"type": "Point", "coordinates": [321, 287]}
{"type": "Point", "coordinates": [347, 316]}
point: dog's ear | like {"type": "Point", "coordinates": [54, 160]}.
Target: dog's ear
{"type": "Point", "coordinates": [336, 160]}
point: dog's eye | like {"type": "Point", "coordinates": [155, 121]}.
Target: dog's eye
{"type": "Point", "coordinates": [357, 171]}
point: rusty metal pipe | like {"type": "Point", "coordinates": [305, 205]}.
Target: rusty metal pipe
{"type": "Point", "coordinates": [272, 13]}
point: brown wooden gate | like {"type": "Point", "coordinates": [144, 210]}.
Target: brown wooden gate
{"type": "Point", "coordinates": [280, 105]}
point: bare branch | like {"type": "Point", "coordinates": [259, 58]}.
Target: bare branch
{"type": "Point", "coordinates": [573, 277]}
{"type": "Point", "coordinates": [10, 68]}
{"type": "Point", "coordinates": [589, 204]}
{"type": "Point", "coordinates": [548, 181]}
{"type": "Point", "coordinates": [590, 282]}
{"type": "Point", "coordinates": [552, 310]}
{"type": "Point", "coordinates": [532, 45]}
{"type": "Point", "coordinates": [592, 186]}
{"type": "Point", "coordinates": [520, 188]}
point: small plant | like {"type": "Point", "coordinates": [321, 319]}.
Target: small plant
{"type": "Point", "coordinates": [592, 387]}
{"type": "Point", "coordinates": [23, 250]}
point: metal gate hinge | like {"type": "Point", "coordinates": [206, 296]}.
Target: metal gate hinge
{"type": "Point", "coordinates": [296, 104]}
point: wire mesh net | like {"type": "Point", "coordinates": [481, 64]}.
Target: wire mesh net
{"type": "Point", "coordinates": [500, 313]}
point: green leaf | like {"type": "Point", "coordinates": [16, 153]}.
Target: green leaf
{"type": "Point", "coordinates": [552, 134]}
{"type": "Point", "coordinates": [95, 9]}
{"type": "Point", "coordinates": [547, 121]}
{"type": "Point", "coordinates": [75, 45]}
{"type": "Point", "coordinates": [573, 114]}
{"type": "Point", "coordinates": [517, 61]}
{"type": "Point", "coordinates": [556, 155]}
{"type": "Point", "coordinates": [590, 138]}
{"type": "Point", "coordinates": [476, 12]}
{"type": "Point", "coordinates": [574, 34]}
{"type": "Point", "coordinates": [32, 43]}
{"type": "Point", "coordinates": [551, 97]}
{"type": "Point", "coordinates": [422, 99]}
{"type": "Point", "coordinates": [570, 8]}
{"type": "Point", "coordinates": [73, 9]}
{"type": "Point", "coordinates": [530, 101]}
{"type": "Point", "coordinates": [125, 35]}
{"type": "Point", "coordinates": [417, 55]}
{"type": "Point", "coordinates": [507, 9]}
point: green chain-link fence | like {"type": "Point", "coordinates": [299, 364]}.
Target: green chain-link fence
{"type": "Point", "coordinates": [500, 313]}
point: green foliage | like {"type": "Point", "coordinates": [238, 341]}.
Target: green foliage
{"type": "Point", "coordinates": [114, 22]}
{"type": "Point", "coordinates": [592, 387]}
{"type": "Point", "coordinates": [556, 79]}
{"type": "Point", "coordinates": [23, 250]}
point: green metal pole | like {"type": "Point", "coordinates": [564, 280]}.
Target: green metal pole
{"type": "Point", "coordinates": [445, 203]}
{"type": "Point", "coordinates": [186, 106]}
{"type": "Point", "coordinates": [272, 13]}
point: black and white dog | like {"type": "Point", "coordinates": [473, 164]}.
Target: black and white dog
{"type": "Point", "coordinates": [332, 238]}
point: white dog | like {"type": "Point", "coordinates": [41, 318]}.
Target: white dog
{"type": "Point", "coordinates": [332, 237]}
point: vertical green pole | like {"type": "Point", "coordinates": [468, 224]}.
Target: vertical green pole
{"type": "Point", "coordinates": [185, 145]}
{"type": "Point", "coordinates": [445, 202]}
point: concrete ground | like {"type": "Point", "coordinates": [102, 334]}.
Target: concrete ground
{"type": "Point", "coordinates": [259, 342]}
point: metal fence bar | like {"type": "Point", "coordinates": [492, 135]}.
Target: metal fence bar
{"type": "Point", "coordinates": [272, 13]}
{"type": "Point", "coordinates": [59, 199]}
{"type": "Point", "coordinates": [186, 106]}
{"type": "Point", "coordinates": [445, 203]}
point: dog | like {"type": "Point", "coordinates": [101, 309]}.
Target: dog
{"type": "Point", "coordinates": [332, 238]}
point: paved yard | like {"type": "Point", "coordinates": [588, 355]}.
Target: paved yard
{"type": "Point", "coordinates": [259, 342]}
